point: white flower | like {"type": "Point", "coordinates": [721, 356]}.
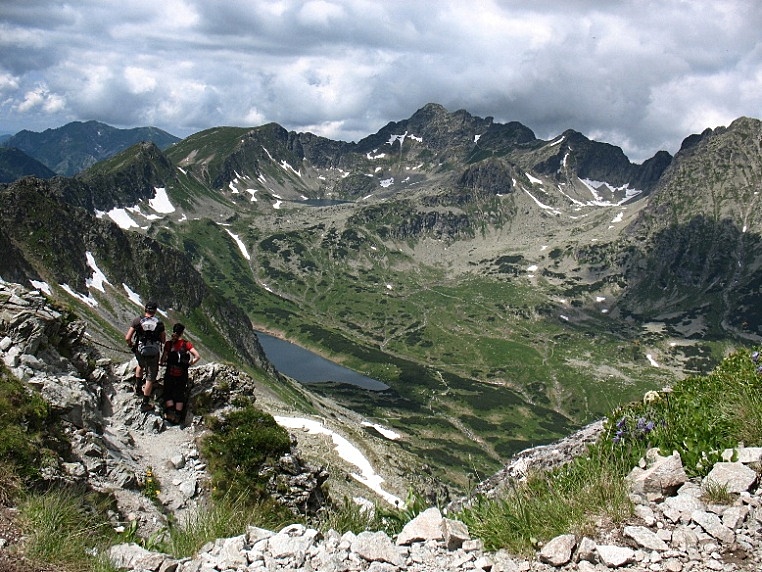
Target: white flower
{"type": "Point", "coordinates": [651, 396]}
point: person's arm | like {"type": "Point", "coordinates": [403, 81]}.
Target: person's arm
{"type": "Point", "coordinates": [166, 348]}
{"type": "Point", "coordinates": [129, 335]}
{"type": "Point", "coordinates": [196, 357]}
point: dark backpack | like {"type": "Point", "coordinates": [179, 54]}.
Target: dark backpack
{"type": "Point", "coordinates": [149, 343]}
{"type": "Point", "coordinates": [179, 357]}
{"type": "Point", "coordinates": [178, 360]}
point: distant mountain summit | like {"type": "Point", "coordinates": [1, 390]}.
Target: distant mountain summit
{"type": "Point", "coordinates": [78, 145]}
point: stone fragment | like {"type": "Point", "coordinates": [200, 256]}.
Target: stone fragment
{"type": "Point", "coordinates": [734, 477]}
{"type": "Point", "coordinates": [558, 550]}
{"type": "Point", "coordinates": [645, 538]}
{"type": "Point", "coordinates": [615, 556]}
{"type": "Point", "coordinates": [734, 516]}
{"type": "Point", "coordinates": [661, 479]}
{"type": "Point", "coordinates": [426, 526]}
{"type": "Point", "coordinates": [455, 533]}
{"type": "Point", "coordinates": [376, 547]}
{"type": "Point", "coordinates": [713, 526]}
{"type": "Point", "coordinates": [586, 550]}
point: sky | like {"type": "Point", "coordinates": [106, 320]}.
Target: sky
{"type": "Point", "coordinates": [639, 74]}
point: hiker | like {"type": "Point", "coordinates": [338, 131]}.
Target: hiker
{"type": "Point", "coordinates": [146, 337]}
{"type": "Point", "coordinates": [179, 354]}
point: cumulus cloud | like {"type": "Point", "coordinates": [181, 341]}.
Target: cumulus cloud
{"type": "Point", "coordinates": [639, 74]}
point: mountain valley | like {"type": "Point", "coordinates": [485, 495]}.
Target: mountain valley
{"type": "Point", "coordinates": [508, 290]}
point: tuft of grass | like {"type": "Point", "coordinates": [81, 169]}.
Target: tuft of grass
{"type": "Point", "coordinates": [349, 516]}
{"type": "Point", "coordinates": [573, 498]}
{"type": "Point", "coordinates": [717, 493]}
{"type": "Point", "coordinates": [224, 518]}
{"type": "Point", "coordinates": [68, 528]}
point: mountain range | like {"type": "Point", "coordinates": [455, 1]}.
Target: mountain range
{"type": "Point", "coordinates": [69, 149]}
{"type": "Point", "coordinates": [506, 289]}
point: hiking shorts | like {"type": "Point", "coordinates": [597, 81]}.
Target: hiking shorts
{"type": "Point", "coordinates": [149, 365]}
{"type": "Point", "coordinates": [175, 387]}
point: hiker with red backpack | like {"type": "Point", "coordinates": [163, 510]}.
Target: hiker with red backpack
{"type": "Point", "coordinates": [179, 354]}
{"type": "Point", "coordinates": [146, 336]}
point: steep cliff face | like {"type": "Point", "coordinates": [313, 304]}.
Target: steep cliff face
{"type": "Point", "coordinates": [698, 238]}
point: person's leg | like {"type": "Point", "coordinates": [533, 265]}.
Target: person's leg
{"type": "Point", "coordinates": [152, 369]}
{"type": "Point", "coordinates": [170, 392]}
{"type": "Point", "coordinates": [139, 377]}
{"type": "Point", "coordinates": [182, 393]}
{"type": "Point", "coordinates": [171, 396]}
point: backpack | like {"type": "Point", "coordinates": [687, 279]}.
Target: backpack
{"type": "Point", "coordinates": [179, 360]}
{"type": "Point", "coordinates": [149, 344]}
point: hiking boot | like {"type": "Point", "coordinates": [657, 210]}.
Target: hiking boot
{"type": "Point", "coordinates": [138, 387]}
{"type": "Point", "coordinates": [146, 406]}
{"type": "Point", "coordinates": [171, 416]}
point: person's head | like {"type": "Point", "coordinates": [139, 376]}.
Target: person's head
{"type": "Point", "coordinates": [178, 329]}
{"type": "Point", "coordinates": [151, 307]}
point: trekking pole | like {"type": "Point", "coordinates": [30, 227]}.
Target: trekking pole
{"type": "Point", "coordinates": [119, 350]}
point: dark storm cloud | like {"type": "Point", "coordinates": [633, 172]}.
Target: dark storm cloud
{"type": "Point", "coordinates": [638, 74]}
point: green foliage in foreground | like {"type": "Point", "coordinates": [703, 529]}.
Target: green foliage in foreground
{"type": "Point", "coordinates": [24, 440]}
{"type": "Point", "coordinates": [236, 450]}
{"type": "Point", "coordinates": [222, 519]}
{"type": "Point", "coordinates": [68, 528]}
{"type": "Point", "coordinates": [699, 417]}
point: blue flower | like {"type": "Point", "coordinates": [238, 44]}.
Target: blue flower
{"type": "Point", "coordinates": [755, 357]}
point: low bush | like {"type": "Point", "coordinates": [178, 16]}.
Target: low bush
{"type": "Point", "coordinates": [29, 437]}
{"type": "Point", "coordinates": [241, 442]}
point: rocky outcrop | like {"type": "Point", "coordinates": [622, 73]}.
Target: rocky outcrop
{"type": "Point", "coordinates": [115, 447]}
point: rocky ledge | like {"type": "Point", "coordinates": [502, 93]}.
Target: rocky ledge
{"type": "Point", "coordinates": [672, 529]}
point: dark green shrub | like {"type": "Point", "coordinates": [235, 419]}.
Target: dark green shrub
{"type": "Point", "coordinates": [241, 443]}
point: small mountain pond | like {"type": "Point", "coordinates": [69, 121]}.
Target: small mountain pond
{"type": "Point", "coordinates": [307, 367]}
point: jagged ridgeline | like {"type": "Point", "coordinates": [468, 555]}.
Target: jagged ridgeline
{"type": "Point", "coordinates": [506, 288]}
